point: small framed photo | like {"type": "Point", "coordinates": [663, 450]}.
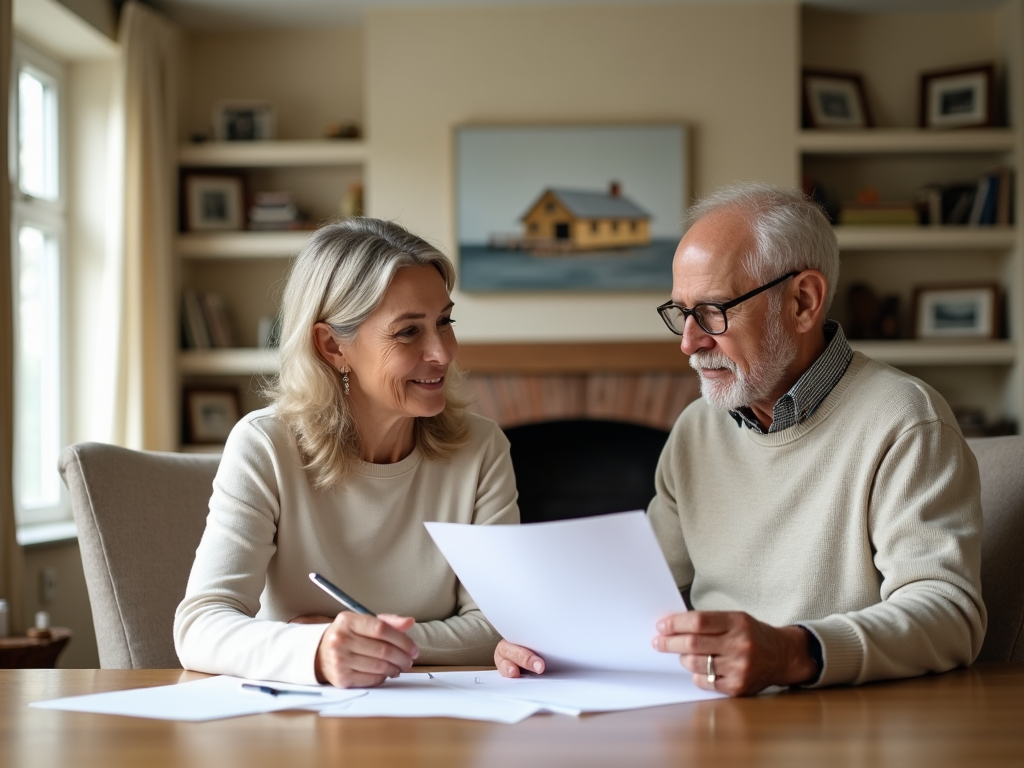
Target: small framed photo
{"type": "Point", "coordinates": [957, 98]}
{"type": "Point", "coordinates": [213, 202]}
{"type": "Point", "coordinates": [956, 311]}
{"type": "Point", "coordinates": [834, 100]}
{"type": "Point", "coordinates": [210, 414]}
{"type": "Point", "coordinates": [244, 121]}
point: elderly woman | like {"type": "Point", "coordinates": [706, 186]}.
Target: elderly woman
{"type": "Point", "coordinates": [365, 440]}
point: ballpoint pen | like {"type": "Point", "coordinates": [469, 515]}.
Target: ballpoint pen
{"type": "Point", "coordinates": [340, 596]}
{"type": "Point", "coordinates": [277, 691]}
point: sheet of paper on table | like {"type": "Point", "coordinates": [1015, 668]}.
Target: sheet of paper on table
{"type": "Point", "coordinates": [421, 695]}
{"type": "Point", "coordinates": [212, 698]}
{"type": "Point", "coordinates": [584, 594]}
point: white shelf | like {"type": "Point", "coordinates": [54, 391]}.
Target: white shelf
{"type": "Point", "coordinates": [904, 140]}
{"type": "Point", "coordinates": [240, 245]}
{"type": "Point", "coordinates": [876, 238]}
{"type": "Point", "coordinates": [955, 353]}
{"type": "Point", "coordinates": [256, 154]}
{"type": "Point", "coordinates": [228, 362]}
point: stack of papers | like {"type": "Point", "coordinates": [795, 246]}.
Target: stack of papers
{"type": "Point", "coordinates": [583, 594]}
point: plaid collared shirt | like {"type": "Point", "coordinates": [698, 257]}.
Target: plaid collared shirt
{"type": "Point", "coordinates": [810, 390]}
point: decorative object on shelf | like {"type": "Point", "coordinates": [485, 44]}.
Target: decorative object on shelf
{"type": "Point", "coordinates": [965, 311]}
{"type": "Point", "coordinates": [834, 100]}
{"type": "Point", "coordinates": [275, 212]}
{"type": "Point", "coordinates": [957, 98]}
{"type": "Point", "coordinates": [213, 202]}
{"type": "Point", "coordinates": [569, 207]}
{"type": "Point", "coordinates": [211, 413]}
{"type": "Point", "coordinates": [243, 120]}
{"type": "Point", "coordinates": [869, 317]}
{"type": "Point", "coordinates": [343, 130]}
{"type": "Point", "coordinates": [352, 202]}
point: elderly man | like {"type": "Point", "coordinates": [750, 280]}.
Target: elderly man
{"type": "Point", "coordinates": [820, 509]}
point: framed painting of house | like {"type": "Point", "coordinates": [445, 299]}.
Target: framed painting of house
{"type": "Point", "coordinates": [569, 207]}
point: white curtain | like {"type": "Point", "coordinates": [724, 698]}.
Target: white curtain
{"type": "Point", "coordinates": [10, 552]}
{"type": "Point", "coordinates": [140, 378]}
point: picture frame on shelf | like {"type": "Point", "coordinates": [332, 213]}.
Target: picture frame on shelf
{"type": "Point", "coordinates": [211, 413]}
{"type": "Point", "coordinates": [213, 202]}
{"type": "Point", "coordinates": [965, 311]}
{"type": "Point", "coordinates": [236, 120]}
{"type": "Point", "coordinates": [958, 98]}
{"type": "Point", "coordinates": [834, 100]}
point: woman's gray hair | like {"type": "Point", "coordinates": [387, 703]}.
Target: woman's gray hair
{"type": "Point", "coordinates": [790, 231]}
{"type": "Point", "coordinates": [340, 277]}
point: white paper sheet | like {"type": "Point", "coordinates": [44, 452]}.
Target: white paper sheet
{"type": "Point", "coordinates": [420, 695]}
{"type": "Point", "coordinates": [208, 699]}
{"type": "Point", "coordinates": [576, 691]}
{"type": "Point", "coordinates": [583, 594]}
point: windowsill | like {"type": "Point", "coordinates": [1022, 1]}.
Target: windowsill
{"type": "Point", "coordinates": [47, 533]}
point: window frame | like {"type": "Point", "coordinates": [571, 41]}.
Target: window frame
{"type": "Point", "coordinates": [51, 217]}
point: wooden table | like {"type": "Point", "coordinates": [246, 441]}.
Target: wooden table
{"type": "Point", "coordinates": [969, 718]}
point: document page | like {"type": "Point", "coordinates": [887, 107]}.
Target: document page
{"type": "Point", "coordinates": [419, 694]}
{"type": "Point", "coordinates": [583, 690]}
{"type": "Point", "coordinates": [584, 594]}
{"type": "Point", "coordinates": [210, 699]}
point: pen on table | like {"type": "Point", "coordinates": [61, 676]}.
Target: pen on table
{"type": "Point", "coordinates": [337, 594]}
{"type": "Point", "coordinates": [276, 691]}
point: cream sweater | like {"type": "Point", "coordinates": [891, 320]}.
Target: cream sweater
{"type": "Point", "coordinates": [268, 529]}
{"type": "Point", "coordinates": [862, 524]}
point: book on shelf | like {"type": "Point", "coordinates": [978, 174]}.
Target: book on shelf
{"type": "Point", "coordinates": [895, 213]}
{"type": "Point", "coordinates": [984, 202]}
{"type": "Point", "coordinates": [205, 321]}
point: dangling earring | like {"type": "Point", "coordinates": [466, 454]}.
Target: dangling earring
{"type": "Point", "coordinates": [344, 381]}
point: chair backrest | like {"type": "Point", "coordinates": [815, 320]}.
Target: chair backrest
{"type": "Point", "coordinates": [140, 516]}
{"type": "Point", "coordinates": [1001, 463]}
{"type": "Point", "coordinates": [583, 467]}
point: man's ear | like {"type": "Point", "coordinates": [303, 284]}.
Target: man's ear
{"type": "Point", "coordinates": [809, 292]}
{"type": "Point", "coordinates": [328, 347]}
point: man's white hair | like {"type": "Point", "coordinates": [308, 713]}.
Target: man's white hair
{"type": "Point", "coordinates": [790, 232]}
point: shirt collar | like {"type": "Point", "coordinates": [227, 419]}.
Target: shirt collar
{"type": "Point", "coordinates": [804, 397]}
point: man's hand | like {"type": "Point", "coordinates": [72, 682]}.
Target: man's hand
{"type": "Point", "coordinates": [748, 655]}
{"type": "Point", "coordinates": [361, 651]}
{"type": "Point", "coordinates": [509, 659]}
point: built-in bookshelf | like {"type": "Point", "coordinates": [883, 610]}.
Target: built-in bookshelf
{"type": "Point", "coordinates": [901, 161]}
{"type": "Point", "coordinates": [244, 270]}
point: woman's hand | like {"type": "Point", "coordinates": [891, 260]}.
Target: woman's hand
{"type": "Point", "coordinates": [361, 651]}
{"type": "Point", "coordinates": [510, 658]}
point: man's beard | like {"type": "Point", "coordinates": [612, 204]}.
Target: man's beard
{"type": "Point", "coordinates": [755, 385]}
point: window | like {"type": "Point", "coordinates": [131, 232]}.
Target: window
{"type": "Point", "coordinates": [38, 223]}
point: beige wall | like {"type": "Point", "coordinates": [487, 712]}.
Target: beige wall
{"type": "Point", "coordinates": [313, 77]}
{"type": "Point", "coordinates": [729, 72]}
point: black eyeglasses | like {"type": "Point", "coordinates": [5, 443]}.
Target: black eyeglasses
{"type": "Point", "coordinates": [710, 315]}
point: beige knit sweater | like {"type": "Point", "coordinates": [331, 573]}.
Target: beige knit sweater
{"type": "Point", "coordinates": [268, 529]}
{"type": "Point", "coordinates": [862, 524]}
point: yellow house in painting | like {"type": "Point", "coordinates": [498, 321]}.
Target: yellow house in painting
{"type": "Point", "coordinates": [574, 220]}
